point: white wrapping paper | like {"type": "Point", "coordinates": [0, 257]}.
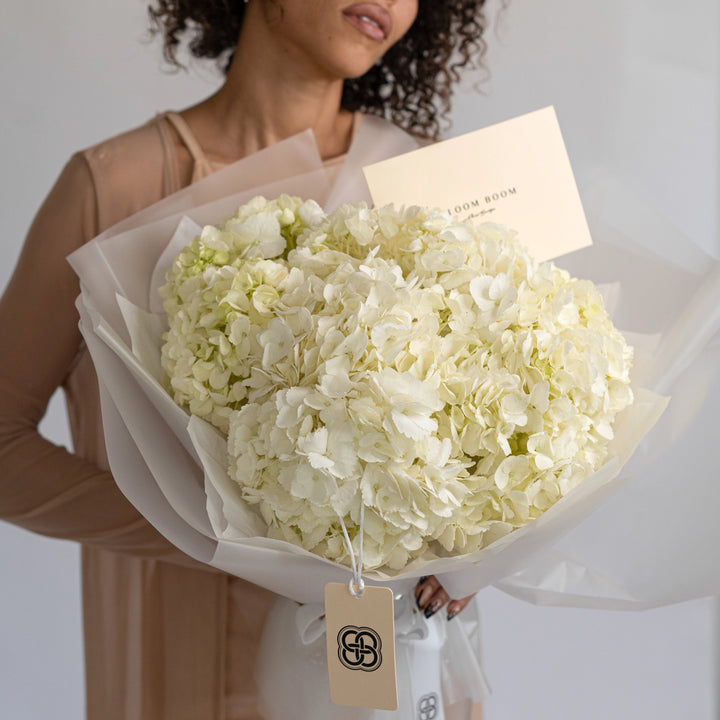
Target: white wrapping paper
{"type": "Point", "coordinates": [172, 466]}
{"type": "Point", "coordinates": [654, 542]}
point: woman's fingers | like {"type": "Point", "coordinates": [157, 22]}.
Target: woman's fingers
{"type": "Point", "coordinates": [430, 597]}
{"type": "Point", "coordinates": [456, 606]}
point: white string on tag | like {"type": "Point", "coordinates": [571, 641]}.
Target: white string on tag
{"type": "Point", "coordinates": [356, 585]}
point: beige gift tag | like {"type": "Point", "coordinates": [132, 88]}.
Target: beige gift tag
{"type": "Point", "coordinates": [361, 647]}
{"type": "Point", "coordinates": [516, 173]}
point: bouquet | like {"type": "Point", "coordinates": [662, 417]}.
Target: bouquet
{"type": "Point", "coordinates": [485, 434]}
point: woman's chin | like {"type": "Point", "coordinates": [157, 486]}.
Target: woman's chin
{"type": "Point", "coordinates": [355, 67]}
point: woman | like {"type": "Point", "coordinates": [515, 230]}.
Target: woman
{"type": "Point", "coordinates": [166, 637]}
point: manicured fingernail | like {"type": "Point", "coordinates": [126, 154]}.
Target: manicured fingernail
{"type": "Point", "coordinates": [423, 597]}
{"type": "Point", "coordinates": [451, 614]}
{"type": "Point", "coordinates": [422, 579]}
{"type": "Point", "coordinates": [431, 609]}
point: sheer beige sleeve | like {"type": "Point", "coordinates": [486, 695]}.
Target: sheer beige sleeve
{"type": "Point", "coordinates": [43, 487]}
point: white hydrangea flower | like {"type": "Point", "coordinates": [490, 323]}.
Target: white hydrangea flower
{"type": "Point", "coordinates": [424, 367]}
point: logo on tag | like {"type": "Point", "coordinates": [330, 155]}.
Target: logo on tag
{"type": "Point", "coordinates": [359, 648]}
{"type": "Point", "coordinates": [428, 707]}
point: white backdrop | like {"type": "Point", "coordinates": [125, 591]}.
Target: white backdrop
{"type": "Point", "coordinates": [637, 90]}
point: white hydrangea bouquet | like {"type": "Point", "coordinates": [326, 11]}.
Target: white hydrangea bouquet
{"type": "Point", "coordinates": [404, 361]}
{"type": "Point", "coordinates": [399, 371]}
{"type": "Point", "coordinates": [429, 369]}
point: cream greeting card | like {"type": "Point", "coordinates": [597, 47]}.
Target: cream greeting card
{"type": "Point", "coordinates": [516, 173]}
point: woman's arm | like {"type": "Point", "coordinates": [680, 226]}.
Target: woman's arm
{"type": "Point", "coordinates": [43, 487]}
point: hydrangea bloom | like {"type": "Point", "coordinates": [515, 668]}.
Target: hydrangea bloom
{"type": "Point", "coordinates": [425, 367]}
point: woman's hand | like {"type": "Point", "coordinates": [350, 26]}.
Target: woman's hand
{"type": "Point", "coordinates": [430, 597]}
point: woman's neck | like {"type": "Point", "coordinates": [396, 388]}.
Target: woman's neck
{"type": "Point", "coordinates": [269, 96]}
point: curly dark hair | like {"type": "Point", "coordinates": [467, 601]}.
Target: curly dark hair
{"type": "Point", "coordinates": [411, 85]}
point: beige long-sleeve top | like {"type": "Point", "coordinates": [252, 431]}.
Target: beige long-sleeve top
{"type": "Point", "coordinates": [165, 639]}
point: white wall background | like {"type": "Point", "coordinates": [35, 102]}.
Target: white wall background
{"type": "Point", "coordinates": [637, 89]}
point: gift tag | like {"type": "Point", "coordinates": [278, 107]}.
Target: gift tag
{"type": "Point", "coordinates": [361, 647]}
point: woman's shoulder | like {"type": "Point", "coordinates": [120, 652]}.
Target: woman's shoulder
{"type": "Point", "coordinates": [131, 170]}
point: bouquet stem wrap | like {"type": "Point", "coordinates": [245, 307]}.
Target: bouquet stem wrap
{"type": "Point", "coordinates": [438, 664]}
